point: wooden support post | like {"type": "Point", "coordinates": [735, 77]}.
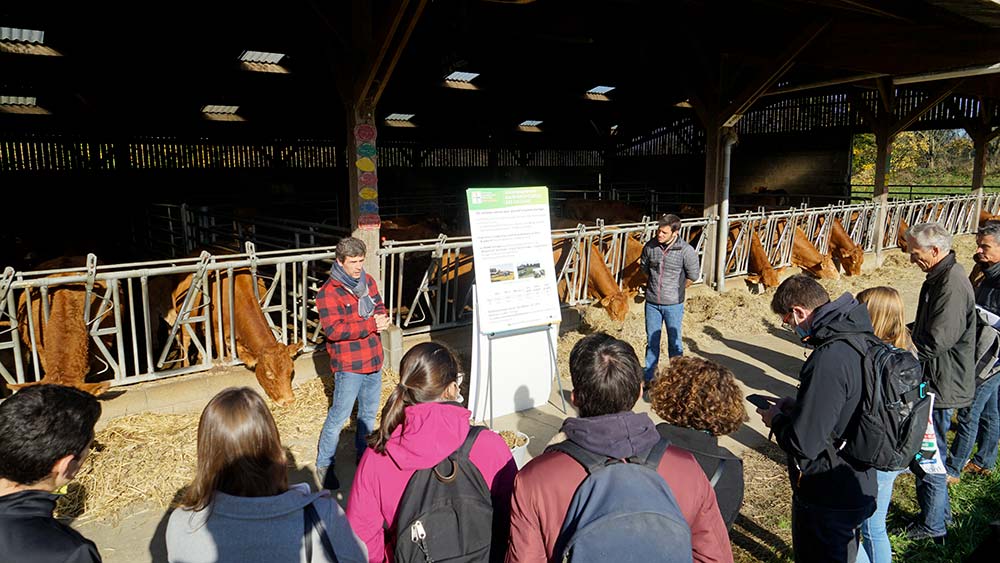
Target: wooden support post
{"type": "Point", "coordinates": [713, 178]}
{"type": "Point", "coordinates": [883, 154]}
{"type": "Point", "coordinates": [981, 151]}
{"type": "Point", "coordinates": [363, 183]}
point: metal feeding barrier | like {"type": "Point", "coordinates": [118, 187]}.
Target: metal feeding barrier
{"type": "Point", "coordinates": [425, 283]}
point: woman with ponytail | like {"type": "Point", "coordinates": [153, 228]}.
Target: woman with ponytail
{"type": "Point", "coordinates": [423, 422]}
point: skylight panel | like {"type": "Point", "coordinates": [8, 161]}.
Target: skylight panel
{"type": "Point", "coordinates": [400, 120]}
{"type": "Point", "coordinates": [220, 109]}
{"type": "Point", "coordinates": [24, 42]}
{"type": "Point", "coordinates": [261, 57]}
{"type": "Point", "coordinates": [263, 61]}
{"type": "Point", "coordinates": [21, 104]}
{"type": "Point", "coordinates": [461, 80]}
{"type": "Point", "coordinates": [34, 36]}
{"type": "Point", "coordinates": [221, 113]}
{"type": "Point", "coordinates": [530, 126]}
{"type": "Point", "coordinates": [599, 93]}
{"type": "Point", "coordinates": [462, 76]}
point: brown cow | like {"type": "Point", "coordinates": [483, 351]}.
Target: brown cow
{"type": "Point", "coordinates": [844, 250]}
{"type": "Point", "coordinates": [600, 283]}
{"type": "Point", "coordinates": [63, 340]}
{"type": "Point", "coordinates": [759, 269]}
{"type": "Point", "coordinates": [901, 235]}
{"type": "Point", "coordinates": [806, 256]}
{"type": "Point", "coordinates": [255, 342]}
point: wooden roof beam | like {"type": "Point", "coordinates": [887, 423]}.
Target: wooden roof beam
{"type": "Point", "coordinates": [758, 86]}
{"type": "Point", "coordinates": [932, 100]}
{"type": "Point", "coordinates": [390, 41]}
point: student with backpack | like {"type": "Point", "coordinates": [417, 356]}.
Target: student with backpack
{"type": "Point", "coordinates": [832, 494]}
{"type": "Point", "coordinates": [430, 487]}
{"type": "Point", "coordinates": [885, 307]}
{"type": "Point", "coordinates": [614, 490]}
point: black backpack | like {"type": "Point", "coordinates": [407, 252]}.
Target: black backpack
{"type": "Point", "coordinates": [446, 512]}
{"type": "Point", "coordinates": [623, 511]}
{"type": "Point", "coordinates": [894, 406]}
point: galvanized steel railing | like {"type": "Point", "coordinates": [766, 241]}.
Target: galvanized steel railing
{"type": "Point", "coordinates": [425, 283]}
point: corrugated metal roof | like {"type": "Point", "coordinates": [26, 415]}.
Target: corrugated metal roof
{"type": "Point", "coordinates": [220, 109]}
{"type": "Point", "coordinates": [261, 57]}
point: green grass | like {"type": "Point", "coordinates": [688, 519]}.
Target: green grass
{"type": "Point", "coordinates": [975, 502]}
{"type": "Point", "coordinates": [763, 530]}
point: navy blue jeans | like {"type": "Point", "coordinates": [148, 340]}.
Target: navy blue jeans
{"type": "Point", "coordinates": [656, 317]}
{"type": "Point", "coordinates": [932, 490]}
{"type": "Point", "coordinates": [979, 423]}
{"type": "Point", "coordinates": [366, 388]}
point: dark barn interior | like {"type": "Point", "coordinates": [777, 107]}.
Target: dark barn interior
{"type": "Point", "coordinates": [99, 119]}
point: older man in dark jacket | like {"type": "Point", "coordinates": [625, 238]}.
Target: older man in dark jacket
{"type": "Point", "coordinates": [979, 423]}
{"type": "Point", "coordinates": [944, 334]}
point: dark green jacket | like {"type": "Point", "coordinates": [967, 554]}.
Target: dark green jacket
{"type": "Point", "coordinates": [988, 292]}
{"type": "Point", "coordinates": [944, 334]}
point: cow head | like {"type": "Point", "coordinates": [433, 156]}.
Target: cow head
{"type": "Point", "coordinates": [852, 260]}
{"type": "Point", "coordinates": [274, 372]}
{"type": "Point", "coordinates": [826, 269]}
{"type": "Point", "coordinates": [616, 306]}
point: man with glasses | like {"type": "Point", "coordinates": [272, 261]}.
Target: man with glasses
{"type": "Point", "coordinates": [45, 435]}
{"type": "Point", "coordinates": [831, 495]}
{"type": "Point", "coordinates": [671, 265]}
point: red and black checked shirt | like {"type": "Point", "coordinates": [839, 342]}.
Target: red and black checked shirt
{"type": "Point", "coordinates": [353, 343]}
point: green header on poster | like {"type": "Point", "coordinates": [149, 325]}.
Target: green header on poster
{"type": "Point", "coordinates": [482, 199]}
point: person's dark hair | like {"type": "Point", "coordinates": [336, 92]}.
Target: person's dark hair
{"type": "Point", "coordinates": [699, 394]}
{"type": "Point", "coordinates": [669, 220]}
{"type": "Point", "coordinates": [606, 375]}
{"type": "Point", "coordinates": [799, 290]}
{"type": "Point", "coordinates": [350, 247]}
{"type": "Point", "coordinates": [42, 424]}
{"type": "Point", "coordinates": [425, 372]}
{"type": "Point", "coordinates": [990, 229]}
{"type": "Point", "coordinates": [239, 450]}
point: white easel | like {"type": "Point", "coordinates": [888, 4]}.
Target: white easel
{"type": "Point", "coordinates": [511, 361]}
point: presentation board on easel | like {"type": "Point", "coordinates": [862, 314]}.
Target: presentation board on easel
{"type": "Point", "coordinates": [516, 320]}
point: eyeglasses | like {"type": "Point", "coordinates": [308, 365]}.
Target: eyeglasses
{"type": "Point", "coordinates": [786, 320]}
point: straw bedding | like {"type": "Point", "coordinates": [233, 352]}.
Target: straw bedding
{"type": "Point", "coordinates": [143, 461]}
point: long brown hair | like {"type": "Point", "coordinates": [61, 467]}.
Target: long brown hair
{"type": "Point", "coordinates": [885, 307]}
{"type": "Point", "coordinates": [425, 372]}
{"type": "Point", "coordinates": [239, 450]}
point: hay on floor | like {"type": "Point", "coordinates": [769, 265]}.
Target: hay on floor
{"type": "Point", "coordinates": [144, 460]}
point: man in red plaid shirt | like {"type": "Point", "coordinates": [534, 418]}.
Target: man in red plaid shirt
{"type": "Point", "coordinates": [352, 315]}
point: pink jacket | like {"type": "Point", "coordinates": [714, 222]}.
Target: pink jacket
{"type": "Point", "coordinates": [431, 432]}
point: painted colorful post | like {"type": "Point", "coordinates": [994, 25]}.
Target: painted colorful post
{"type": "Point", "coordinates": [366, 158]}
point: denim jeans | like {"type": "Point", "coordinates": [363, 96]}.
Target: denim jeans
{"type": "Point", "coordinates": [874, 537]}
{"type": "Point", "coordinates": [979, 423]}
{"type": "Point", "coordinates": [932, 490]}
{"type": "Point", "coordinates": [821, 534]}
{"type": "Point", "coordinates": [656, 317]}
{"type": "Point", "coordinates": [366, 388]}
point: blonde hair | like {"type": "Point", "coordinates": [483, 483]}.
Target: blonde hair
{"type": "Point", "coordinates": [885, 307]}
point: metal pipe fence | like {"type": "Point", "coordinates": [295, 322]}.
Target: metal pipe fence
{"type": "Point", "coordinates": [425, 283]}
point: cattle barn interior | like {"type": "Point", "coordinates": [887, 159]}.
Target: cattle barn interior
{"type": "Point", "coordinates": [104, 111]}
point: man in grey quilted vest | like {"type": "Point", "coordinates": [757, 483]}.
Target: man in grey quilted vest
{"type": "Point", "coordinates": [671, 264]}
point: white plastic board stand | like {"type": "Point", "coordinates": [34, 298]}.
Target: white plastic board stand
{"type": "Point", "coordinates": [516, 308]}
{"type": "Point", "coordinates": [511, 370]}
